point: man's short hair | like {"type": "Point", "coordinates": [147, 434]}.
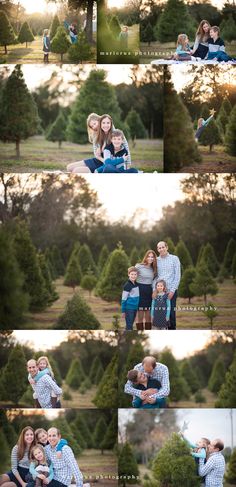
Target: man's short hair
{"type": "Point", "coordinates": [133, 375]}
{"type": "Point", "coordinates": [132, 269]}
{"type": "Point", "coordinates": [57, 430]}
{"type": "Point", "coordinates": [215, 28]}
{"type": "Point", "coordinates": [219, 444]}
{"type": "Point", "coordinates": [164, 242]}
{"type": "Point", "coordinates": [117, 133]}
{"type": "Point", "coordinates": [150, 359]}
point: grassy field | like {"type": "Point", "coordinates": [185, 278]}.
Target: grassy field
{"type": "Point", "coordinates": [33, 54]}
{"type": "Point", "coordinates": [225, 301]}
{"type": "Point", "coordinates": [38, 154]}
{"type": "Point", "coordinates": [98, 469]}
{"type": "Point", "coordinates": [190, 403]}
{"type": "Point", "coordinates": [216, 161]}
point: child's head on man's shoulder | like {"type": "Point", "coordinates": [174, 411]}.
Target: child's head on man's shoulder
{"type": "Point", "coordinates": [132, 273]}
{"type": "Point", "coordinates": [117, 138]}
{"type": "Point", "coordinates": [124, 28]}
{"type": "Point", "coordinates": [215, 32]}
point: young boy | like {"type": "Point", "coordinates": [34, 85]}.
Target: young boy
{"type": "Point", "coordinates": [115, 155]}
{"type": "Point", "coordinates": [130, 298]}
{"type": "Point", "coordinates": [216, 46]}
{"type": "Point", "coordinates": [123, 37]}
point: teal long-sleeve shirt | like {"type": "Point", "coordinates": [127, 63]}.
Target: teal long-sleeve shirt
{"type": "Point", "coordinates": [199, 454]}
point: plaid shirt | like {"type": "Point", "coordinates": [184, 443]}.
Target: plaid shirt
{"type": "Point", "coordinates": [160, 373]}
{"type": "Point", "coordinates": [168, 268]}
{"type": "Point", "coordinates": [213, 470]}
{"type": "Point", "coordinates": [44, 388]}
{"type": "Point", "coordinates": [65, 467]}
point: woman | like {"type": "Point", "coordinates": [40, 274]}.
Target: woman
{"type": "Point", "coordinates": [20, 460]}
{"type": "Point", "coordinates": [200, 48]}
{"type": "Point", "coordinates": [147, 271]}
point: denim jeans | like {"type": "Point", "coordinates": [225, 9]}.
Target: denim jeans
{"type": "Point", "coordinates": [130, 316]}
{"type": "Point", "coordinates": [172, 325]}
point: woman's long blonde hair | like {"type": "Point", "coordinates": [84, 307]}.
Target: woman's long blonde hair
{"type": "Point", "coordinates": [91, 134]}
{"type": "Point", "coordinates": [22, 445]}
{"type": "Point", "coordinates": [101, 137]}
{"type": "Point", "coordinates": [48, 364]}
{"type": "Point", "coordinates": [200, 32]}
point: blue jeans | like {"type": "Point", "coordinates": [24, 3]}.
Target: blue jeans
{"type": "Point", "coordinates": [172, 325]}
{"type": "Point", "coordinates": [220, 56]}
{"type": "Point", "coordinates": [130, 316]}
{"type": "Point", "coordinates": [160, 403]}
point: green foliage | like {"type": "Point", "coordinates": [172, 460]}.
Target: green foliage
{"type": "Point", "coordinates": [136, 127]}
{"type": "Point", "coordinates": [27, 399]}
{"type": "Point", "coordinates": [7, 429]}
{"type": "Point", "coordinates": [5, 453]}
{"type": "Point", "coordinates": [189, 374]}
{"type": "Point", "coordinates": [148, 34]}
{"type": "Point", "coordinates": [110, 437]}
{"type": "Point", "coordinates": [210, 312]}
{"type": "Point", "coordinates": [89, 282]}
{"type": "Point", "coordinates": [127, 466]}
{"type": "Point", "coordinates": [209, 258]}
{"type": "Point", "coordinates": [86, 260]}
{"type": "Point", "coordinates": [171, 245]}
{"type": "Point", "coordinates": [99, 375]}
{"type": "Point", "coordinates": [217, 376]}
{"type": "Point", "coordinates": [52, 295]}
{"type": "Point", "coordinates": [81, 428]}
{"type": "Point", "coordinates": [57, 131]}
{"type": "Point", "coordinates": [98, 434]}
{"type": "Point", "coordinates": [107, 396]}
{"type": "Point", "coordinates": [60, 43]}
{"type": "Point", "coordinates": [73, 272]}
{"type": "Point", "coordinates": [134, 256]}
{"type": "Point", "coordinates": [223, 273]}
{"type": "Point", "coordinates": [115, 274]}
{"type": "Point", "coordinates": [227, 393]}
{"type": "Point", "coordinates": [174, 466]}
{"type": "Point", "coordinates": [229, 255]}
{"type": "Point", "coordinates": [56, 262]}
{"type": "Point", "coordinates": [174, 20]}
{"type": "Point", "coordinates": [103, 258]}
{"type": "Point", "coordinates": [81, 50]}
{"type": "Point", "coordinates": [75, 375]}
{"type": "Point", "coordinates": [228, 29]}
{"type": "Point", "coordinates": [85, 386]}
{"type": "Point", "coordinates": [114, 26]}
{"type": "Point", "coordinates": [66, 432]}
{"type": "Point", "coordinates": [179, 387]}
{"type": "Point", "coordinates": [77, 315]}
{"type": "Point", "coordinates": [199, 398]}
{"type": "Point", "coordinates": [226, 105]}
{"type": "Point", "coordinates": [184, 255]}
{"type": "Point", "coordinates": [203, 284]}
{"type": "Point", "coordinates": [184, 290]}
{"type": "Point", "coordinates": [230, 135]}
{"type": "Point", "coordinates": [135, 356]}
{"type": "Point", "coordinates": [96, 363]}
{"type": "Point", "coordinates": [14, 377]}
{"type": "Point", "coordinates": [54, 26]}
{"type": "Point", "coordinates": [222, 118]}
{"type": "Point", "coordinates": [231, 469]}
{"type": "Point", "coordinates": [67, 396]}
{"type": "Point", "coordinates": [7, 35]}
{"type": "Point", "coordinates": [25, 34]}
{"type": "Point", "coordinates": [210, 135]}
{"type": "Point", "coordinates": [234, 267]}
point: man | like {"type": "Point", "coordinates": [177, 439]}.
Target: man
{"type": "Point", "coordinates": [44, 386]}
{"type": "Point", "coordinates": [142, 382]}
{"type": "Point", "coordinates": [213, 470]}
{"type": "Point", "coordinates": [64, 467]}
{"type": "Point", "coordinates": [168, 269]}
{"type": "Point", "coordinates": [152, 370]}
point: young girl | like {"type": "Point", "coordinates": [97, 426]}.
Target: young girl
{"type": "Point", "coordinates": [20, 459]}
{"type": "Point", "coordinates": [147, 271]}
{"type": "Point", "coordinates": [46, 45]}
{"type": "Point", "coordinates": [41, 438]}
{"type": "Point", "coordinates": [160, 310]}
{"type": "Point", "coordinates": [183, 50]}
{"type": "Point", "coordinates": [44, 368]}
{"type": "Point", "coordinates": [201, 46]}
{"type": "Point", "coordinates": [88, 165]}
{"type": "Point", "coordinates": [39, 468]}
{"type": "Point", "coordinates": [202, 124]}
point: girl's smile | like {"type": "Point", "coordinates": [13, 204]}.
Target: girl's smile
{"type": "Point", "coordinates": [38, 455]}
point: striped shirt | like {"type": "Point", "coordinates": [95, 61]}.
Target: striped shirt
{"type": "Point", "coordinates": [15, 462]}
{"type": "Point", "coordinates": [65, 467]}
{"type": "Point", "coordinates": [213, 470]}
{"type": "Point", "coordinates": [168, 269]}
{"type": "Point", "coordinates": [130, 296]}
{"type": "Point", "coordinates": [145, 274]}
{"type": "Point", "coordinates": [44, 388]}
{"type": "Point", "coordinates": [161, 373]}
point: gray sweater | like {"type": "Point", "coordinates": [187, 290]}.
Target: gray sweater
{"type": "Point", "coordinates": [145, 274]}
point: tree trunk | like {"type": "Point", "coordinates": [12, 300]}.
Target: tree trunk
{"type": "Point", "coordinates": [89, 21]}
{"type": "Point", "coordinates": [5, 49]}
{"type": "Point", "coordinates": [59, 144]}
{"type": "Point", "coordinates": [205, 299]}
{"type": "Point", "coordinates": [17, 149]}
{"type": "Point", "coordinates": [62, 58]}
{"type": "Point", "coordinates": [26, 44]}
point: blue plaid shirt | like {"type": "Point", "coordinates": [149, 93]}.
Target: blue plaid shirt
{"type": "Point", "coordinates": [213, 470]}
{"type": "Point", "coordinates": [44, 388]}
{"type": "Point", "coordinates": [160, 373]}
{"type": "Point", "coordinates": [168, 268]}
{"type": "Point", "coordinates": [65, 467]}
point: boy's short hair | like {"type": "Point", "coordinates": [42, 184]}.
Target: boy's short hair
{"type": "Point", "coordinates": [215, 28]}
{"type": "Point", "coordinates": [133, 375]}
{"type": "Point", "coordinates": [117, 133]}
{"type": "Point", "coordinates": [132, 269]}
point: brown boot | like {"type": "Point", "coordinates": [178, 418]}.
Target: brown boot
{"type": "Point", "coordinates": [139, 326]}
{"type": "Point", "coordinates": [148, 325]}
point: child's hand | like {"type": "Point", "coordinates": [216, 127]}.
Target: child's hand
{"type": "Point", "coordinates": [41, 476]}
{"type": "Point", "coordinates": [59, 454]}
{"type": "Point", "coordinates": [31, 381]}
{"type": "Point", "coordinates": [123, 316]}
{"type": "Point", "coordinates": [125, 157]}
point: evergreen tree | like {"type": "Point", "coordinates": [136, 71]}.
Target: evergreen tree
{"type": "Point", "coordinates": [57, 131]}
{"type": "Point", "coordinates": [227, 106]}
{"type": "Point", "coordinates": [231, 469]}
{"type": "Point", "coordinates": [227, 393]}
{"type": "Point", "coordinates": [127, 466]}
{"type": "Point", "coordinates": [25, 34]}
{"type": "Point", "coordinates": [134, 256]}
{"type": "Point", "coordinates": [230, 136]}
{"type": "Point", "coordinates": [73, 272]}
{"type": "Point", "coordinates": [18, 111]}
{"type": "Point", "coordinates": [86, 260]}
{"type": "Point", "coordinates": [174, 19]}
{"type": "Point", "coordinates": [60, 43]}
{"type": "Point", "coordinates": [199, 398]}
{"type": "Point", "coordinates": [81, 50]}
{"type": "Point", "coordinates": [103, 258]}
{"type": "Point", "coordinates": [55, 369]}
{"type": "Point", "coordinates": [7, 35]}
{"type": "Point", "coordinates": [7, 429]}
{"type": "Point", "coordinates": [14, 300]}
{"type": "Point", "coordinates": [199, 257]}
{"type": "Point", "coordinates": [134, 356]}
{"type": "Point", "coordinates": [184, 255]}
{"type": "Point", "coordinates": [80, 426]}
{"type": "Point", "coordinates": [190, 376]}
{"type": "Point", "coordinates": [203, 284]}
{"type": "Point", "coordinates": [99, 375]}
{"type": "Point", "coordinates": [179, 386]}
{"type": "Point", "coordinates": [180, 148]}
{"type": "Point", "coordinates": [107, 395]}
{"type": "Point", "coordinates": [99, 94]}
{"type": "Point", "coordinates": [75, 374]}
{"type": "Point", "coordinates": [222, 118]}
{"type": "Point", "coordinates": [57, 261]}
{"type": "Point", "coordinates": [110, 289]}
{"type": "Point", "coordinates": [52, 295]}
{"type": "Point", "coordinates": [233, 270]}
{"type": "Point", "coordinates": [210, 135]}
{"type": "Point", "coordinates": [66, 432]}
{"type": "Point", "coordinates": [209, 258]}
{"type": "Point", "coordinates": [27, 399]}
{"type": "Point", "coordinates": [210, 312]}
{"type": "Point", "coordinates": [96, 363]}
{"type": "Point", "coordinates": [89, 282]}
{"type": "Point", "coordinates": [174, 466]}
{"type": "Point", "coordinates": [228, 28]}
{"type": "Point", "coordinates": [114, 26]}
{"type": "Point", "coordinates": [148, 34]}
{"type": "Point", "coordinates": [98, 435]}
{"type": "Point", "coordinates": [14, 376]}
{"type": "Point", "coordinates": [77, 315]}
{"type": "Point", "coordinates": [229, 255]}
{"type": "Point", "coordinates": [85, 386]}
{"type": "Point", "coordinates": [186, 280]}
{"type": "Point", "coordinates": [223, 273]}
{"type": "Point", "coordinates": [135, 124]}
{"type": "Point", "coordinates": [171, 245]}
{"type": "Point", "coordinates": [217, 376]}
{"type": "Point", "coordinates": [54, 26]}
{"type": "Point", "coordinates": [110, 436]}
{"type": "Point", "coordinates": [5, 453]}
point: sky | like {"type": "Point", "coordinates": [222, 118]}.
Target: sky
{"type": "Point", "coordinates": [45, 339]}
{"type": "Point", "coordinates": [183, 74]}
{"type": "Point", "coordinates": [183, 344]}
{"type": "Point", "coordinates": [40, 6]}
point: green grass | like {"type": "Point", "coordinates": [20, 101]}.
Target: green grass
{"type": "Point", "coordinates": [39, 154]}
{"type": "Point", "coordinates": [190, 403]}
{"type": "Point", "coordinates": [216, 161]}
{"type": "Point", "coordinates": [98, 469]}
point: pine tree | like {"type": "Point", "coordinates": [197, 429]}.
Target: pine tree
{"type": "Point", "coordinates": [223, 273]}
{"type": "Point", "coordinates": [52, 295]}
{"type": "Point", "coordinates": [107, 395]}
{"type": "Point", "coordinates": [190, 376]}
{"type": "Point", "coordinates": [171, 245]}
{"type": "Point", "coordinates": [217, 376]}
{"type": "Point", "coordinates": [98, 435]}
{"type": "Point", "coordinates": [7, 429]}
{"type": "Point", "coordinates": [184, 255]}
{"type": "Point", "coordinates": [231, 469]}
{"type": "Point", "coordinates": [210, 135]}
{"type": "Point", "coordinates": [14, 300]}
{"type": "Point", "coordinates": [135, 124]}
{"type": "Point", "coordinates": [99, 375]}
{"type": "Point", "coordinates": [54, 26]}
{"type": "Point", "coordinates": [228, 28]}
{"type": "Point", "coordinates": [75, 374]}
{"type": "Point", "coordinates": [73, 273]}
{"type": "Point", "coordinates": [222, 118]}
{"type": "Point", "coordinates": [227, 106]}
{"type": "Point", "coordinates": [57, 261]}
{"type": "Point", "coordinates": [14, 376]}
{"type": "Point", "coordinates": [5, 452]}
{"type": "Point", "coordinates": [85, 386]}
{"type": "Point", "coordinates": [18, 111]}
{"type": "Point", "coordinates": [209, 258]}
{"type": "Point", "coordinates": [114, 26]}
{"type": "Point", "coordinates": [174, 466]}
{"type": "Point", "coordinates": [103, 258]}
{"type": "Point", "coordinates": [227, 393]}
{"type": "Point", "coordinates": [80, 426]}
{"type": "Point", "coordinates": [203, 284]}
{"type": "Point", "coordinates": [99, 94]}
{"type": "Point", "coordinates": [81, 50]}
{"type": "Point", "coordinates": [199, 398]}
{"type": "Point", "coordinates": [110, 436]}
{"type": "Point", "coordinates": [60, 43]}
{"type": "Point", "coordinates": [229, 255]}
{"type": "Point", "coordinates": [27, 399]}
{"type": "Point", "coordinates": [7, 35]}
{"type": "Point", "coordinates": [88, 282]}
{"type": "Point", "coordinates": [25, 34]}
{"type": "Point", "coordinates": [230, 136]}
{"type": "Point", "coordinates": [148, 34]}
{"type": "Point", "coordinates": [134, 256]}
{"type": "Point", "coordinates": [186, 280]}
{"type": "Point", "coordinates": [86, 260]}
{"type": "Point", "coordinates": [96, 363]}
{"type": "Point", "coordinates": [210, 312]}
{"type": "Point", "coordinates": [200, 255]}
{"type": "Point", "coordinates": [77, 315]}
{"type": "Point", "coordinates": [233, 269]}
{"type": "Point", "coordinates": [174, 19]}
{"type": "Point", "coordinates": [66, 432]}
{"type": "Point", "coordinates": [57, 131]}
{"type": "Point", "coordinates": [110, 289]}
{"type": "Point", "coordinates": [179, 386]}
{"type": "Point", "coordinates": [127, 466]}
{"type": "Point", "coordinates": [180, 148]}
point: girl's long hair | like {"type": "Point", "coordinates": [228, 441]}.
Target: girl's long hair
{"type": "Point", "coordinates": [32, 458]}
{"type": "Point", "coordinates": [154, 264]}
{"type": "Point", "coordinates": [22, 445]}
{"type": "Point", "coordinates": [101, 136]}
{"type": "Point", "coordinates": [200, 32]}
{"type": "Point", "coordinates": [182, 40]}
{"type": "Point", "coordinates": [155, 293]}
{"type": "Point", "coordinates": [91, 134]}
{"type": "Point", "coordinates": [48, 364]}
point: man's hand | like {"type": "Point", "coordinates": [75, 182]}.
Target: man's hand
{"type": "Point", "coordinates": [151, 400]}
{"type": "Point", "coordinates": [151, 391]}
{"type": "Point", "coordinates": [170, 295]}
{"type": "Point", "coordinates": [31, 381]}
{"type": "Point", "coordinates": [41, 476]}
{"type": "Point", "coordinates": [46, 480]}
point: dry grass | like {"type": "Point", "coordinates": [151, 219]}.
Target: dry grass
{"type": "Point", "coordinates": [216, 161]}
{"type": "Point", "coordinates": [99, 469]}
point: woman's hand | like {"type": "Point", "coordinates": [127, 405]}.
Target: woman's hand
{"type": "Point", "coordinates": [46, 480]}
{"type": "Point", "coordinates": [98, 152]}
{"type": "Point", "coordinates": [41, 476]}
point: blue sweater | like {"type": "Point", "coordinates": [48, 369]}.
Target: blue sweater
{"type": "Point", "coordinates": [130, 296]}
